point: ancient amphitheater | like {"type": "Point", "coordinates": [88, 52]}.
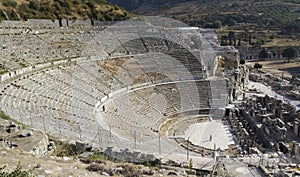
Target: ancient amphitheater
{"type": "Point", "coordinates": [139, 89]}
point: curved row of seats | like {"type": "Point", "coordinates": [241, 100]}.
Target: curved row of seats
{"type": "Point", "coordinates": [143, 110]}
{"type": "Point", "coordinates": [61, 99]}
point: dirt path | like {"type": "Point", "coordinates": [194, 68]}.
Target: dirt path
{"type": "Point", "coordinates": [277, 67]}
{"type": "Point", "coordinates": [47, 166]}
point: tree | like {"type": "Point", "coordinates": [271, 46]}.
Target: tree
{"type": "Point", "coordinates": [224, 40]}
{"type": "Point", "coordinates": [232, 22]}
{"type": "Point", "coordinates": [257, 66]}
{"type": "Point", "coordinates": [239, 42]}
{"type": "Point", "coordinates": [290, 53]}
{"type": "Point", "coordinates": [217, 24]}
{"type": "Point", "coordinates": [191, 165]}
{"type": "Point", "coordinates": [250, 38]}
{"type": "Point", "coordinates": [9, 3]}
{"type": "Point", "coordinates": [34, 5]}
{"type": "Point", "coordinates": [242, 61]}
{"type": "Point", "coordinates": [231, 35]}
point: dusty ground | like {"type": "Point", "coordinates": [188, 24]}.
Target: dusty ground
{"type": "Point", "coordinates": [277, 67]}
{"type": "Point", "coordinates": [51, 165]}
{"type": "Point", "coordinates": [46, 166]}
{"type": "Point", "coordinates": [282, 42]}
{"type": "Point", "coordinates": [58, 166]}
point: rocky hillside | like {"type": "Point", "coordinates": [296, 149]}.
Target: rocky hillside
{"type": "Point", "coordinates": [264, 13]}
{"type": "Point", "coordinates": [55, 9]}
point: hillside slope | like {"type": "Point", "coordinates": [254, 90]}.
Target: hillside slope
{"type": "Point", "coordinates": [55, 9]}
{"type": "Point", "coordinates": [265, 13]}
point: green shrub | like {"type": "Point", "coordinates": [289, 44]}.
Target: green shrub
{"type": "Point", "coordinates": [76, 2]}
{"type": "Point", "coordinates": [34, 5]}
{"type": "Point", "coordinates": [65, 149]}
{"type": "Point", "coordinates": [66, 4]}
{"type": "Point", "coordinates": [290, 53]}
{"type": "Point", "coordinates": [95, 168]}
{"type": "Point", "coordinates": [9, 3]}
{"type": "Point", "coordinates": [94, 158]}
{"type": "Point", "coordinates": [257, 66]}
{"type": "Point", "coordinates": [4, 116]}
{"type": "Point", "coordinates": [242, 61]}
{"type": "Point", "coordinates": [18, 172]}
